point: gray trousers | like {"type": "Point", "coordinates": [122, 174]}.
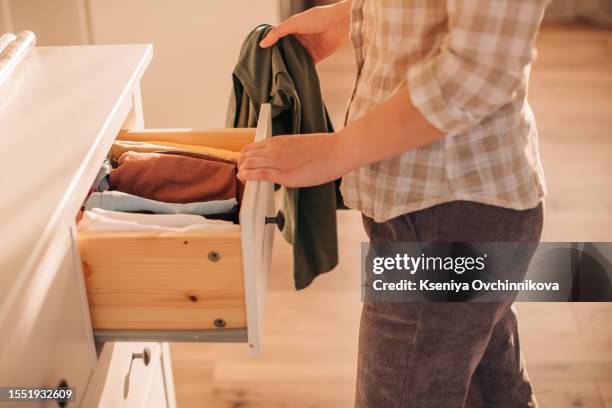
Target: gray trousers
{"type": "Point", "coordinates": [445, 355]}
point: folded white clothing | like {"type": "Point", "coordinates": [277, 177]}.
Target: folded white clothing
{"type": "Point", "coordinates": [162, 220]}
{"type": "Point", "coordinates": [98, 219]}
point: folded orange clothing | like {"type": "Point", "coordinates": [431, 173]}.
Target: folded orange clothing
{"type": "Point", "coordinates": [121, 146]}
{"type": "Point", "coordinates": [175, 178]}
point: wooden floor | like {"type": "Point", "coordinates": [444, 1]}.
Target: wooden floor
{"type": "Point", "coordinates": [310, 337]}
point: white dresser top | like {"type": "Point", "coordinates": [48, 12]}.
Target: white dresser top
{"type": "Point", "coordinates": [59, 112]}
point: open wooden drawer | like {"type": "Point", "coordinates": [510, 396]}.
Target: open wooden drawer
{"type": "Point", "coordinates": [196, 286]}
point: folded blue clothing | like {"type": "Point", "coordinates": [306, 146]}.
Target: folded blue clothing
{"type": "Point", "coordinates": [118, 201]}
{"type": "Point", "coordinates": [101, 181]}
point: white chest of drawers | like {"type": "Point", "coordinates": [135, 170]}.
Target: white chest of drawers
{"type": "Point", "coordinates": [59, 112]}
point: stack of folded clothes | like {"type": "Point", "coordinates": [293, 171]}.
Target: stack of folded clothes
{"type": "Point", "coordinates": [153, 182]}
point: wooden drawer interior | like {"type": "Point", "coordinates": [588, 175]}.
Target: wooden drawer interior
{"type": "Point", "coordinates": [194, 286]}
{"type": "Point", "coordinates": [167, 281]}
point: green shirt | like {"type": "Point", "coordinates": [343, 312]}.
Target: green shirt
{"type": "Point", "coordinates": [284, 75]}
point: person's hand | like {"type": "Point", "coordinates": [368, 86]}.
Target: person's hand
{"type": "Point", "coordinates": [321, 30]}
{"type": "Point", "coordinates": [294, 161]}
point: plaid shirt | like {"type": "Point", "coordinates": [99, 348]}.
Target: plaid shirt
{"type": "Point", "coordinates": [466, 64]}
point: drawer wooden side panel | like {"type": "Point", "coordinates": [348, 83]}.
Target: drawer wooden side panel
{"type": "Point", "coordinates": [164, 281]}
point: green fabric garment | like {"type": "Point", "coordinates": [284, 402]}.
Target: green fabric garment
{"type": "Point", "coordinates": [284, 75]}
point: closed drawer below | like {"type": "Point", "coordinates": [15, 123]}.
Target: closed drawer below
{"type": "Point", "coordinates": [128, 375]}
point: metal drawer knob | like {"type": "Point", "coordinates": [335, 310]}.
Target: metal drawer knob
{"type": "Point", "coordinates": [279, 220]}
{"type": "Point", "coordinates": [146, 358]}
{"type": "Point", "coordinates": [62, 384]}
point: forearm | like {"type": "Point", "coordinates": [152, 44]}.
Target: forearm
{"type": "Point", "coordinates": [393, 127]}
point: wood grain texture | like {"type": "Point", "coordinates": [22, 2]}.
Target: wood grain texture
{"type": "Point", "coordinates": [230, 139]}
{"type": "Point", "coordinates": [163, 280]}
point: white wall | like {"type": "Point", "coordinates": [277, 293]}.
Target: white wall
{"type": "Point", "coordinates": [56, 22]}
{"type": "Point", "coordinates": [196, 44]}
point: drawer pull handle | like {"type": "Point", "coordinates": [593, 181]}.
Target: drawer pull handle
{"type": "Point", "coordinates": [220, 323]}
{"type": "Point", "coordinates": [146, 358]}
{"type": "Point", "coordinates": [62, 384]}
{"type": "Point", "coordinates": [279, 220]}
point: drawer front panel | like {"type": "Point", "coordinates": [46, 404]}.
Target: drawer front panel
{"type": "Point", "coordinates": [51, 339]}
{"type": "Point", "coordinates": [257, 240]}
{"type": "Point", "coordinates": [156, 394]}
